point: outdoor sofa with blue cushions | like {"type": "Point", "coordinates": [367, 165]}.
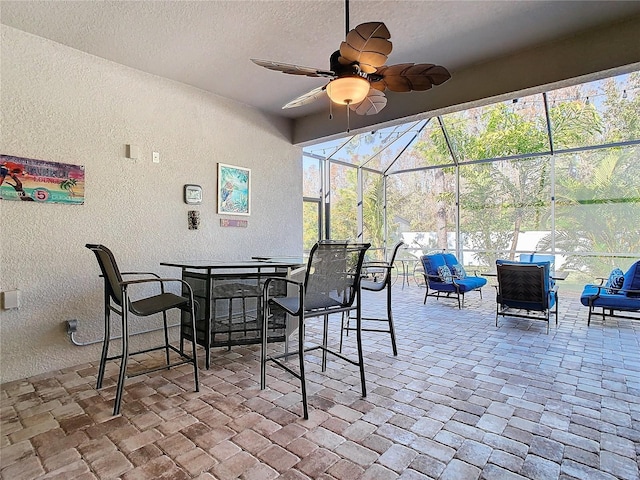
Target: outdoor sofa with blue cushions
{"type": "Point", "coordinates": [619, 300]}
{"type": "Point", "coordinates": [444, 274]}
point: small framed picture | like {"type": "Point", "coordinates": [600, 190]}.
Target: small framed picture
{"type": "Point", "coordinates": [192, 194]}
{"type": "Point", "coordinates": [234, 190]}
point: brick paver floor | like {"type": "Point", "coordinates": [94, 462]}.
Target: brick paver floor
{"type": "Point", "coordinates": [462, 400]}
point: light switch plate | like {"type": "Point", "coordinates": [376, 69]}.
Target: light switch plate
{"type": "Point", "coordinates": [11, 299]}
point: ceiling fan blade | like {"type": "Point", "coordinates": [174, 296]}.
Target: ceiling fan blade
{"type": "Point", "coordinates": [372, 104]}
{"type": "Point", "coordinates": [368, 44]}
{"type": "Point", "coordinates": [308, 97]}
{"type": "Point", "coordinates": [294, 69]}
{"type": "Point", "coordinates": [406, 77]}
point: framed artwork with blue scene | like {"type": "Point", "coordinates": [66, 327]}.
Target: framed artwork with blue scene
{"type": "Point", "coordinates": [234, 190]}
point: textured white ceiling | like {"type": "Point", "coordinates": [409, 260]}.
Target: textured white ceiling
{"type": "Point", "coordinates": [208, 44]}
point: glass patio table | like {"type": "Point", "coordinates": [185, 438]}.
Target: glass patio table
{"type": "Point", "coordinates": [228, 298]}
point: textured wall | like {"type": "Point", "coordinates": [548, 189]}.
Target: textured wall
{"type": "Point", "coordinates": [62, 105]}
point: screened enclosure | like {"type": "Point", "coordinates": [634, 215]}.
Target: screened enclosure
{"type": "Point", "coordinates": [556, 172]}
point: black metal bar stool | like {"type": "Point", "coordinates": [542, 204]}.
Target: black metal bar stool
{"type": "Point", "coordinates": [116, 299]}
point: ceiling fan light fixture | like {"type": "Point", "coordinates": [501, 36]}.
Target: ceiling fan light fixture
{"type": "Point", "coordinates": [348, 90]}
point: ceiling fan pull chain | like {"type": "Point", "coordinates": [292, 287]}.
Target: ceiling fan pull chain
{"type": "Point", "coordinates": [348, 121]}
{"type": "Point", "coordinates": [330, 109]}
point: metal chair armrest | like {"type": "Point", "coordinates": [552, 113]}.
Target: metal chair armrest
{"type": "Point", "coordinates": [435, 277]}
{"type": "Point", "coordinates": [377, 264]}
{"type": "Point", "coordinates": [623, 291]}
{"type": "Point", "coordinates": [141, 273]}
{"type": "Point", "coordinates": [154, 275]}
{"type": "Point", "coordinates": [299, 287]}
{"type": "Point", "coordinates": [267, 281]}
{"type": "Point", "coordinates": [282, 279]}
{"type": "Point", "coordinates": [159, 280]}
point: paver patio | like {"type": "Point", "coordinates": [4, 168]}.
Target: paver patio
{"type": "Point", "coordinates": [462, 400]}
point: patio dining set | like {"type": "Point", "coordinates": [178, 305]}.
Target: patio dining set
{"type": "Point", "coordinates": [274, 298]}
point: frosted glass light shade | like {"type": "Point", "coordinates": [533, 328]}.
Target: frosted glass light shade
{"type": "Point", "coordinates": [348, 90]}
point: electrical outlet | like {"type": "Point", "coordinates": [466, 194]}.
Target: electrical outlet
{"type": "Point", "coordinates": [156, 157]}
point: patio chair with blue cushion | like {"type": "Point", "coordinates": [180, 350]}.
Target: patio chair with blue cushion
{"type": "Point", "coordinates": [619, 296]}
{"type": "Point", "coordinates": [444, 274]}
{"type": "Point", "coordinates": [524, 290]}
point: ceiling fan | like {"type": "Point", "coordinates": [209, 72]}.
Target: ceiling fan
{"type": "Point", "coordinates": [358, 74]}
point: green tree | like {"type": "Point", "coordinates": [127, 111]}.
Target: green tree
{"type": "Point", "coordinates": [505, 197]}
{"type": "Point", "coordinates": [598, 206]}
{"type": "Point", "coordinates": [373, 209]}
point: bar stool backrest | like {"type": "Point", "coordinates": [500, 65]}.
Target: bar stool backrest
{"type": "Point", "coordinates": [333, 274]}
{"type": "Point", "coordinates": [110, 271]}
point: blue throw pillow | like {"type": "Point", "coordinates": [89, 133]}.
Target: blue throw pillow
{"type": "Point", "coordinates": [616, 280]}
{"type": "Point", "coordinates": [445, 274]}
{"type": "Point", "coordinates": [458, 271]}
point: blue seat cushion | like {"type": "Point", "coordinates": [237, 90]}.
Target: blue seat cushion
{"type": "Point", "coordinates": [471, 283]}
{"type": "Point", "coordinates": [464, 285]}
{"type": "Point", "coordinates": [442, 287]}
{"type": "Point", "coordinates": [608, 300]}
{"type": "Point", "coordinates": [632, 279]}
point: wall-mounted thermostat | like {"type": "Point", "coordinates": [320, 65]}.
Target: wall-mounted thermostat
{"type": "Point", "coordinates": [192, 194]}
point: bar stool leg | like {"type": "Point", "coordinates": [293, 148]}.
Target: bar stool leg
{"type": "Point", "coordinates": [192, 313]}
{"type": "Point", "coordinates": [125, 354]}
{"type": "Point", "coordinates": [390, 318]}
{"type": "Point", "coordinates": [359, 342]}
{"type": "Point", "coordinates": [166, 338]}
{"type": "Point", "coordinates": [325, 342]}
{"type": "Point", "coordinates": [303, 381]}
{"type": "Point", "coordinates": [105, 343]}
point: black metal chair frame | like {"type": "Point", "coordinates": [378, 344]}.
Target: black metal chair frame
{"type": "Point", "coordinates": [306, 305]}
{"type": "Point", "coordinates": [534, 295]}
{"type": "Point", "coordinates": [376, 285]}
{"type": "Point", "coordinates": [436, 293]}
{"type": "Point", "coordinates": [230, 292]}
{"type": "Point", "coordinates": [116, 300]}
{"type": "Point", "coordinates": [621, 313]}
